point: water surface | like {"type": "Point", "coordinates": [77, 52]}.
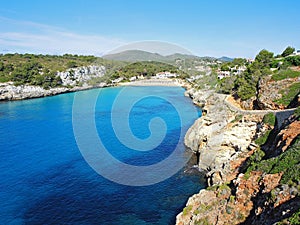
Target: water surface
{"type": "Point", "coordinates": [45, 180]}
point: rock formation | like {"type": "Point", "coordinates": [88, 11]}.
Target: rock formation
{"type": "Point", "coordinates": [240, 192]}
{"type": "Point", "coordinates": [72, 80]}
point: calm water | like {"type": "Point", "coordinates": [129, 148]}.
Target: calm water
{"type": "Point", "coordinates": [45, 180]}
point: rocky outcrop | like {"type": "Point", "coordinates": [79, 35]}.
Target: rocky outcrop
{"type": "Point", "coordinates": [219, 136]}
{"type": "Point", "coordinates": [81, 75]}
{"type": "Point", "coordinates": [254, 197]}
{"type": "Point", "coordinates": [74, 79]}
{"type": "Point", "coordinates": [269, 91]}
{"type": "Point", "coordinates": [8, 91]}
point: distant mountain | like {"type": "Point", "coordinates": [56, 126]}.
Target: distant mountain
{"type": "Point", "coordinates": [134, 56]}
{"type": "Point", "coordinates": [138, 56]}
{"type": "Point", "coordinates": [225, 59]}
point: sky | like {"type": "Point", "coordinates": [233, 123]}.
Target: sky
{"type": "Point", "coordinates": [205, 28]}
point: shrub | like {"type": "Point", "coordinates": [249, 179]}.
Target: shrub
{"type": "Point", "coordinates": [269, 119]}
{"type": "Point", "coordinates": [289, 94]}
{"type": "Point", "coordinates": [187, 209]}
{"type": "Point", "coordinates": [262, 139]}
{"type": "Point", "coordinates": [285, 74]}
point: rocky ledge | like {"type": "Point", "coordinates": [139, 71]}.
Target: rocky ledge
{"type": "Point", "coordinates": [242, 189]}
{"type": "Point", "coordinates": [9, 91]}
{"type": "Point", "coordinates": [220, 135]}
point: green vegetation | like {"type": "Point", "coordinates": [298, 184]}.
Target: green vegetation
{"type": "Point", "coordinates": [294, 219]}
{"type": "Point", "coordinates": [292, 61]}
{"type": "Point", "coordinates": [246, 83]}
{"type": "Point", "coordinates": [289, 50]}
{"type": "Point", "coordinates": [288, 162]}
{"type": "Point", "coordinates": [269, 119]}
{"type": "Point", "coordinates": [146, 69]}
{"type": "Point", "coordinates": [281, 75]}
{"type": "Point", "coordinates": [203, 221]}
{"type": "Point", "coordinates": [41, 69]}
{"type": "Point", "coordinates": [226, 85]}
{"type": "Point", "coordinates": [262, 139]}
{"type": "Point", "coordinates": [187, 210]}
{"type": "Point", "coordinates": [289, 94]}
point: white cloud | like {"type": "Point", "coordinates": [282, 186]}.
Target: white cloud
{"type": "Point", "coordinates": [26, 36]}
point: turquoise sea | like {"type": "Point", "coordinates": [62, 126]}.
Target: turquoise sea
{"type": "Point", "coordinates": [45, 179]}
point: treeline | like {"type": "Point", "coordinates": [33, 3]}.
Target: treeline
{"type": "Point", "coordinates": [146, 69]}
{"type": "Point", "coordinates": [245, 85]}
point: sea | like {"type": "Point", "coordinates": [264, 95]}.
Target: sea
{"type": "Point", "coordinates": [50, 148]}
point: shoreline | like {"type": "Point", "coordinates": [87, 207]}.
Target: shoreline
{"type": "Point", "coordinates": [10, 92]}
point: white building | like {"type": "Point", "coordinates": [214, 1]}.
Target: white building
{"type": "Point", "coordinates": [166, 74]}
{"type": "Point", "coordinates": [222, 74]}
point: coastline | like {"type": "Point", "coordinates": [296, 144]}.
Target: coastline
{"type": "Point", "coordinates": [10, 92]}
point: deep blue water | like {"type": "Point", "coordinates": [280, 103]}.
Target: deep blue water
{"type": "Point", "coordinates": [44, 178]}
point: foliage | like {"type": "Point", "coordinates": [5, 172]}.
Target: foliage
{"type": "Point", "coordinates": [292, 60]}
{"type": "Point", "coordinates": [289, 50]}
{"type": "Point", "coordinates": [264, 58]}
{"type": "Point", "coordinates": [281, 75]}
{"type": "Point", "coordinates": [297, 113]}
{"type": "Point", "coordinates": [225, 67]}
{"type": "Point", "coordinates": [246, 83]}
{"type": "Point", "coordinates": [41, 69]}
{"type": "Point", "coordinates": [269, 119]}
{"type": "Point", "coordinates": [295, 218]}
{"type": "Point", "coordinates": [262, 139]}
{"type": "Point", "coordinates": [289, 94]}
{"type": "Point", "coordinates": [226, 85]}
{"type": "Point", "coordinates": [187, 209]}
{"type": "Point", "coordinates": [288, 162]}
{"type": "Point", "coordinates": [147, 69]}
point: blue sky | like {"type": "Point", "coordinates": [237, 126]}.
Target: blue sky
{"type": "Point", "coordinates": [213, 28]}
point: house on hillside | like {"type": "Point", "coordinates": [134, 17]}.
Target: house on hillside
{"type": "Point", "coordinates": [222, 74]}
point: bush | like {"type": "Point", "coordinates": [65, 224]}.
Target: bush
{"type": "Point", "coordinates": [289, 94]}
{"type": "Point", "coordinates": [262, 139]}
{"type": "Point", "coordinates": [269, 119]}
{"type": "Point", "coordinates": [285, 74]}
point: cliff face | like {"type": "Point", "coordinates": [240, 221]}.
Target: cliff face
{"type": "Point", "coordinates": [248, 183]}
{"type": "Point", "coordinates": [220, 136]}
{"type": "Point", "coordinates": [269, 94]}
{"type": "Point", "coordinates": [77, 77]}
{"type": "Point", "coordinates": [269, 91]}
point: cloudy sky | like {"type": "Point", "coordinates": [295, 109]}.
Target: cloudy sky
{"type": "Point", "coordinates": [205, 28]}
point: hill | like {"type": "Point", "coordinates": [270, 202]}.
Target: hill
{"type": "Point", "coordinates": [225, 59]}
{"type": "Point", "coordinates": [139, 56]}
{"type": "Point", "coordinates": [135, 56]}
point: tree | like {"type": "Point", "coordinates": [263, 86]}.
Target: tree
{"type": "Point", "coordinates": [71, 64]}
{"type": "Point", "coordinates": [289, 50]}
{"type": "Point", "coordinates": [225, 67]}
{"type": "Point", "coordinates": [264, 58]}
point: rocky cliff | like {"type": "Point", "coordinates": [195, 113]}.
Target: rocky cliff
{"type": "Point", "coordinates": [220, 135]}
{"type": "Point", "coordinates": [72, 80]}
{"type": "Point", "coordinates": [249, 183]}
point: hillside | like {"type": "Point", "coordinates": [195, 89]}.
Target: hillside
{"type": "Point", "coordinates": [139, 55]}
{"type": "Point", "coordinates": [268, 82]}
{"type": "Point", "coordinates": [135, 56]}
{"type": "Point", "coordinates": [147, 69]}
